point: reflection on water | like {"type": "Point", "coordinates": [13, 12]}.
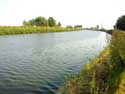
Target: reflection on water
{"type": "Point", "coordinates": [38, 63]}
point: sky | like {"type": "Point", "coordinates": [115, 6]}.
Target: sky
{"type": "Point", "coordinates": [88, 13]}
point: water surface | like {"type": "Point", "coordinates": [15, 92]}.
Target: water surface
{"type": "Point", "coordinates": [39, 63]}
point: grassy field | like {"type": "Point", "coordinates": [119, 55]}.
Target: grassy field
{"type": "Point", "coordinates": [105, 74]}
{"type": "Point", "coordinates": [7, 30]}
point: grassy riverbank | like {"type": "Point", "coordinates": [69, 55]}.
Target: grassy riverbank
{"type": "Point", "coordinates": [105, 74]}
{"type": "Point", "coordinates": [7, 30]}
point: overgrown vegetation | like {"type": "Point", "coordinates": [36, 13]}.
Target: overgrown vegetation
{"type": "Point", "coordinates": [118, 47]}
{"type": "Point", "coordinates": [117, 57]}
{"type": "Point", "coordinates": [92, 78]}
{"type": "Point", "coordinates": [38, 25]}
{"type": "Point", "coordinates": [105, 74]}
{"type": "Point", "coordinates": [120, 24]}
{"type": "Point", "coordinates": [42, 21]}
{"type": "Point", "coordinates": [7, 30]}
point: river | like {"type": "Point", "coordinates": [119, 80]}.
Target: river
{"type": "Point", "coordinates": [39, 63]}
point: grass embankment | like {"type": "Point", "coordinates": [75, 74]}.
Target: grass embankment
{"type": "Point", "coordinates": [7, 30]}
{"type": "Point", "coordinates": [118, 58]}
{"type": "Point", "coordinates": [105, 74]}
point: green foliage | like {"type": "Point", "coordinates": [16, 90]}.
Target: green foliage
{"type": "Point", "coordinates": [7, 30]}
{"type": "Point", "coordinates": [91, 79]}
{"type": "Point", "coordinates": [118, 47]}
{"type": "Point", "coordinates": [59, 24]}
{"type": "Point", "coordinates": [69, 26]}
{"type": "Point", "coordinates": [40, 21]}
{"type": "Point", "coordinates": [78, 26]}
{"type": "Point", "coordinates": [51, 22]}
{"type": "Point", "coordinates": [29, 23]}
{"type": "Point", "coordinates": [105, 74]}
{"type": "Point", "coordinates": [93, 88]}
{"type": "Point", "coordinates": [120, 24]}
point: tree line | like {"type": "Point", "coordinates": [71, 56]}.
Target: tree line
{"type": "Point", "coordinates": [42, 21]}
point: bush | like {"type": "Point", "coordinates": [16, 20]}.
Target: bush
{"type": "Point", "coordinates": [120, 24]}
{"type": "Point", "coordinates": [118, 47]}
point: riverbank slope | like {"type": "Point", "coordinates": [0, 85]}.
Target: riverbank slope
{"type": "Point", "coordinates": [105, 74]}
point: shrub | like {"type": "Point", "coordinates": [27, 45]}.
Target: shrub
{"type": "Point", "coordinates": [120, 24]}
{"type": "Point", "coordinates": [118, 47]}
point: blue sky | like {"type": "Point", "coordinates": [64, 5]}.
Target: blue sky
{"type": "Point", "coordinates": [68, 12]}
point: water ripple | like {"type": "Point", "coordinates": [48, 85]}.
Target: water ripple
{"type": "Point", "coordinates": [39, 63]}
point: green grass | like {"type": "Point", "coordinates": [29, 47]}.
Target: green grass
{"type": "Point", "coordinates": [91, 79]}
{"type": "Point", "coordinates": [103, 75]}
{"type": "Point", "coordinates": [7, 30]}
{"type": "Point", "coordinates": [121, 85]}
{"type": "Point", "coordinates": [118, 47]}
{"type": "Point", "coordinates": [117, 82]}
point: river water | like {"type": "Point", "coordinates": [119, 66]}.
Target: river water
{"type": "Point", "coordinates": [39, 63]}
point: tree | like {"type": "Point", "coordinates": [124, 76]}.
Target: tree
{"type": "Point", "coordinates": [120, 24]}
{"type": "Point", "coordinates": [40, 21]}
{"type": "Point", "coordinates": [69, 26]}
{"type": "Point", "coordinates": [31, 22]}
{"type": "Point", "coordinates": [78, 26]}
{"type": "Point", "coordinates": [25, 23]}
{"type": "Point", "coordinates": [59, 24]}
{"type": "Point", "coordinates": [97, 26]}
{"type": "Point", "coordinates": [51, 21]}
{"type": "Point", "coordinates": [28, 23]}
